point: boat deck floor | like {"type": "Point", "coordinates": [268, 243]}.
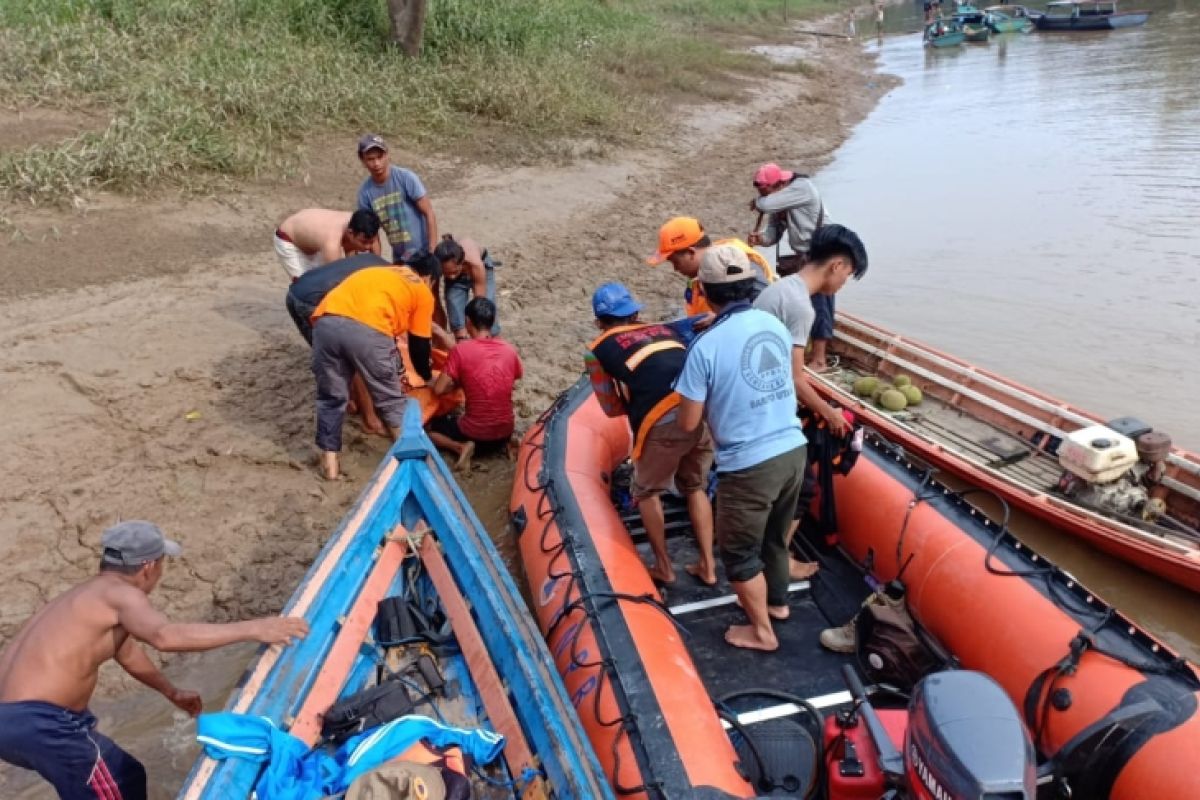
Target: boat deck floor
{"type": "Point", "coordinates": [799, 667]}
{"type": "Point", "coordinates": [978, 441]}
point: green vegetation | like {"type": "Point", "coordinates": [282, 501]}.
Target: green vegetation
{"type": "Point", "coordinates": [201, 90]}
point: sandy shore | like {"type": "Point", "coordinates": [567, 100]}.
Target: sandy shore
{"type": "Point", "coordinates": [149, 369]}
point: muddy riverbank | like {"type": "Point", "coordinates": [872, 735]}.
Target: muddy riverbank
{"type": "Point", "coordinates": [161, 378]}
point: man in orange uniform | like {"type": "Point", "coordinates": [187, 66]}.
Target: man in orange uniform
{"type": "Point", "coordinates": [354, 331]}
{"type": "Point", "coordinates": [682, 241]}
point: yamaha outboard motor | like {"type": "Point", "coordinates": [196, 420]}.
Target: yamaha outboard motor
{"type": "Point", "coordinates": [965, 739]}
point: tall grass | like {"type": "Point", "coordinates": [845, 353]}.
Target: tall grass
{"type": "Point", "coordinates": [200, 90]}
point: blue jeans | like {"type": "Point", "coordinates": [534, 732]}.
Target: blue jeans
{"type": "Point", "coordinates": [458, 294]}
{"type": "Point", "coordinates": [822, 327]}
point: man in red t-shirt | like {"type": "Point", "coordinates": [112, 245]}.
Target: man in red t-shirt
{"type": "Point", "coordinates": [486, 368]}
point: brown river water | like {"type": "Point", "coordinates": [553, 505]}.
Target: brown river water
{"type": "Point", "coordinates": [1032, 205]}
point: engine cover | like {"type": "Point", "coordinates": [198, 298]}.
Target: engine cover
{"type": "Point", "coordinates": [965, 740]}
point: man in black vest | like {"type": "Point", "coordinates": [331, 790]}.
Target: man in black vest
{"type": "Point", "coordinates": [632, 366]}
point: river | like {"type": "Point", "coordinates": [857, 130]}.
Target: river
{"type": "Point", "coordinates": [1033, 205]}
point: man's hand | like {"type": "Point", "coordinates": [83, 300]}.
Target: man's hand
{"type": "Point", "coordinates": [280, 630]}
{"type": "Point", "coordinates": [186, 701]}
{"type": "Point", "coordinates": [754, 204]}
{"type": "Point", "coordinates": [836, 422]}
{"type": "Point", "coordinates": [754, 239]}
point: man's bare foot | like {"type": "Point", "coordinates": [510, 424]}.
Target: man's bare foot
{"type": "Point", "coordinates": [330, 467]}
{"type": "Point", "coordinates": [802, 570]}
{"type": "Point", "coordinates": [463, 464]}
{"type": "Point", "coordinates": [746, 636]}
{"type": "Point", "coordinates": [351, 407]}
{"type": "Point", "coordinates": [779, 612]}
{"type": "Point", "coordinates": [660, 573]}
{"type": "Point", "coordinates": [374, 425]}
{"type": "Point", "coordinates": [818, 366]}
{"type": "Point", "coordinates": [707, 577]}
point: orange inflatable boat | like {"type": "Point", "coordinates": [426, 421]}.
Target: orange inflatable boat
{"type": "Point", "coordinates": [673, 712]}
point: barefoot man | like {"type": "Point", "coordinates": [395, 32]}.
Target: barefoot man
{"type": "Point", "coordinates": [632, 365]}
{"type": "Point", "coordinates": [316, 236]}
{"type": "Point", "coordinates": [738, 377]}
{"type": "Point", "coordinates": [49, 670]}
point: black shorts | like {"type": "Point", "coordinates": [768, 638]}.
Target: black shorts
{"type": "Point", "coordinates": [448, 426]}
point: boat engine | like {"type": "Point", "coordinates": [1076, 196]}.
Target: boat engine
{"type": "Point", "coordinates": [962, 737]}
{"type": "Point", "coordinates": [1113, 470]}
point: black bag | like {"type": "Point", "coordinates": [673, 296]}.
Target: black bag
{"type": "Point", "coordinates": [892, 648]}
{"type": "Point", "coordinates": [367, 709]}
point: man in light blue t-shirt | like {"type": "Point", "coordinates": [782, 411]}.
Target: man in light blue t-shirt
{"type": "Point", "coordinates": [738, 377]}
{"type": "Point", "coordinates": [399, 198]}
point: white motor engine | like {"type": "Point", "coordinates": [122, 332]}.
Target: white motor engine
{"type": "Point", "coordinates": [1109, 471]}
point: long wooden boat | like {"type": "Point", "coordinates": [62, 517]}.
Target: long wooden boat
{"type": "Point", "coordinates": [674, 712]}
{"type": "Point", "coordinates": [1088, 15]}
{"type": "Point", "coordinates": [1010, 18]}
{"type": "Point", "coordinates": [974, 23]}
{"type": "Point", "coordinates": [995, 433]}
{"type": "Point", "coordinates": [411, 534]}
{"type": "Point", "coordinates": [944, 33]}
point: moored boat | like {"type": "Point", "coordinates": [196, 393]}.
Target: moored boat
{"type": "Point", "coordinates": [657, 687]}
{"type": "Point", "coordinates": [1088, 15]}
{"type": "Point", "coordinates": [943, 33]}
{"type": "Point", "coordinates": [1009, 18]}
{"type": "Point", "coordinates": [974, 23]}
{"type": "Point", "coordinates": [1019, 443]}
{"type": "Point", "coordinates": [471, 656]}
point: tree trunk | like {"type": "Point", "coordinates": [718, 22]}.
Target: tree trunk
{"type": "Point", "coordinates": [408, 24]}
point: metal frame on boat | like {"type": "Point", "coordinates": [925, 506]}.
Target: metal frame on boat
{"type": "Point", "coordinates": [504, 665]}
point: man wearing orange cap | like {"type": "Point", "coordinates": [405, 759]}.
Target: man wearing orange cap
{"type": "Point", "coordinates": [792, 204]}
{"type": "Point", "coordinates": [682, 241]}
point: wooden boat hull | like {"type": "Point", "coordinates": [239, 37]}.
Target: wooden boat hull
{"type": "Point", "coordinates": [977, 33]}
{"type": "Point", "coordinates": [1097, 22]}
{"type": "Point", "coordinates": [363, 561]}
{"type": "Point", "coordinates": [853, 337]}
{"type": "Point", "coordinates": [952, 39]}
{"type": "Point", "coordinates": [623, 660]}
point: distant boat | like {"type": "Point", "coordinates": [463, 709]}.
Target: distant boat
{"type": "Point", "coordinates": [1010, 18]}
{"type": "Point", "coordinates": [1088, 15]}
{"type": "Point", "coordinates": [944, 33]}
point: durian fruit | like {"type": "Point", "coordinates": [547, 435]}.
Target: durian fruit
{"type": "Point", "coordinates": [901, 381]}
{"type": "Point", "coordinates": [865, 386]}
{"type": "Point", "coordinates": [893, 400]}
{"type": "Point", "coordinates": [912, 394]}
{"type": "Point", "coordinates": [879, 390]}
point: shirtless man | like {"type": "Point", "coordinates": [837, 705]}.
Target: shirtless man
{"type": "Point", "coordinates": [49, 670]}
{"type": "Point", "coordinates": [316, 236]}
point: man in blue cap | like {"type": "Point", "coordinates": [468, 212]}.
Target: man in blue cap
{"type": "Point", "coordinates": [49, 670]}
{"type": "Point", "coordinates": [632, 366]}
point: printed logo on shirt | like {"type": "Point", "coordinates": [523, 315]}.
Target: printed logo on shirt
{"type": "Point", "coordinates": [764, 362]}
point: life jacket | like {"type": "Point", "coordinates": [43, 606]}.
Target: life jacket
{"type": "Point", "coordinates": [643, 359]}
{"type": "Point", "coordinates": [693, 296]}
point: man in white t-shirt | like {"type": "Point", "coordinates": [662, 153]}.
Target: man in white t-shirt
{"type": "Point", "coordinates": [835, 255]}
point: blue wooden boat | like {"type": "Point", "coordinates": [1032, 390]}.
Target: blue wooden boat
{"type": "Point", "coordinates": [1088, 15]}
{"type": "Point", "coordinates": [974, 23]}
{"type": "Point", "coordinates": [944, 33]}
{"type": "Point", "coordinates": [1010, 18]}
{"type": "Point", "coordinates": [412, 534]}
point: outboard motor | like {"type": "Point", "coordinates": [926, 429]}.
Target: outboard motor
{"type": "Point", "coordinates": [962, 739]}
{"type": "Point", "coordinates": [965, 739]}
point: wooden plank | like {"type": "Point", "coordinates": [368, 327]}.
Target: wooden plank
{"type": "Point", "coordinates": [342, 655]}
{"type": "Point", "coordinates": [483, 671]}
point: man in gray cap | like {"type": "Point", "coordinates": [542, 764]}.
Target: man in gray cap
{"type": "Point", "coordinates": [399, 198]}
{"type": "Point", "coordinates": [48, 671]}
